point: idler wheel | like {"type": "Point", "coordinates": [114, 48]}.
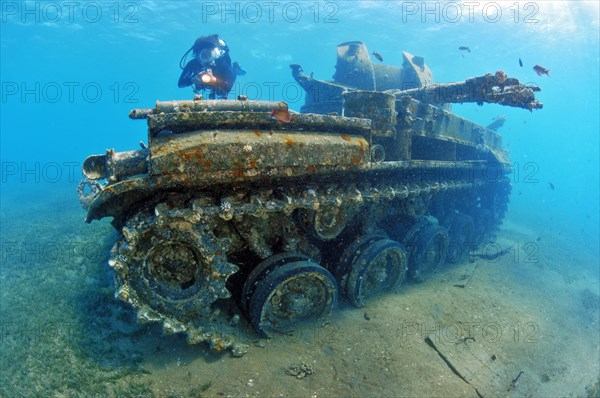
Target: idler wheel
{"type": "Point", "coordinates": [263, 269]}
{"type": "Point", "coordinates": [292, 293]}
{"type": "Point", "coordinates": [461, 236]}
{"type": "Point", "coordinates": [377, 266]}
{"type": "Point", "coordinates": [427, 244]}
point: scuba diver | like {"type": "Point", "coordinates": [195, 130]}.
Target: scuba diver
{"type": "Point", "coordinates": [211, 68]}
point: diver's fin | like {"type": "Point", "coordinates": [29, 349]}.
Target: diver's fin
{"type": "Point", "coordinates": [238, 69]}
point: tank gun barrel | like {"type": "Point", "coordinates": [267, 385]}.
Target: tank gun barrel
{"type": "Point", "coordinates": [495, 89]}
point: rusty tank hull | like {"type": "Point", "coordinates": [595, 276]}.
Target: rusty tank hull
{"type": "Point", "coordinates": [231, 220]}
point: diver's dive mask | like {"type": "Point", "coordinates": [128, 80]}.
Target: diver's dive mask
{"type": "Point", "coordinates": [210, 55]}
{"type": "Point", "coordinates": [206, 56]}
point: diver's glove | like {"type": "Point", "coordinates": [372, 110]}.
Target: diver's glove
{"type": "Point", "coordinates": [196, 79]}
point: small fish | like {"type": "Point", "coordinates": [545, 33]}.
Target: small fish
{"type": "Point", "coordinates": [540, 70]}
{"type": "Point", "coordinates": [378, 56]}
{"type": "Point", "coordinates": [497, 123]}
{"type": "Point", "coordinates": [282, 115]}
{"type": "Point", "coordinates": [539, 238]}
{"type": "Point", "coordinates": [464, 48]}
{"type": "Point", "coordinates": [520, 63]}
{"type": "Point", "coordinates": [551, 186]}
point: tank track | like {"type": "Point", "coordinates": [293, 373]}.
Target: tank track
{"type": "Point", "coordinates": [205, 229]}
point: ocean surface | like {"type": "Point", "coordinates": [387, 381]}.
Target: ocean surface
{"type": "Point", "coordinates": [71, 72]}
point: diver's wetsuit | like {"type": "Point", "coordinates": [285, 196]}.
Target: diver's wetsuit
{"type": "Point", "coordinates": [221, 69]}
{"type": "Point", "coordinates": [191, 69]}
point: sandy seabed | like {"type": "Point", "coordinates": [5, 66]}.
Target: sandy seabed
{"type": "Point", "coordinates": [524, 324]}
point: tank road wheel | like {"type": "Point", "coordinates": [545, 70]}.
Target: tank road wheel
{"type": "Point", "coordinates": [376, 267]}
{"type": "Point", "coordinates": [461, 232]}
{"type": "Point", "coordinates": [172, 270]}
{"type": "Point", "coordinates": [292, 293]}
{"type": "Point", "coordinates": [264, 268]}
{"type": "Point", "coordinates": [427, 244]}
{"type": "Point", "coordinates": [344, 266]}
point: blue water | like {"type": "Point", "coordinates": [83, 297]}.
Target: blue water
{"type": "Point", "coordinates": [130, 53]}
{"type": "Point", "coordinates": [71, 73]}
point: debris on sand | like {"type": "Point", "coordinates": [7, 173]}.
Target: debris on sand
{"type": "Point", "coordinates": [239, 350]}
{"type": "Point", "coordinates": [513, 384]}
{"type": "Point", "coordinates": [300, 370]}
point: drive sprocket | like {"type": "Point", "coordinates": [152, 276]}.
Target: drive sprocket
{"type": "Point", "coordinates": [172, 268]}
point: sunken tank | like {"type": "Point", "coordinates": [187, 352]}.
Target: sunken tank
{"type": "Point", "coordinates": [229, 217]}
